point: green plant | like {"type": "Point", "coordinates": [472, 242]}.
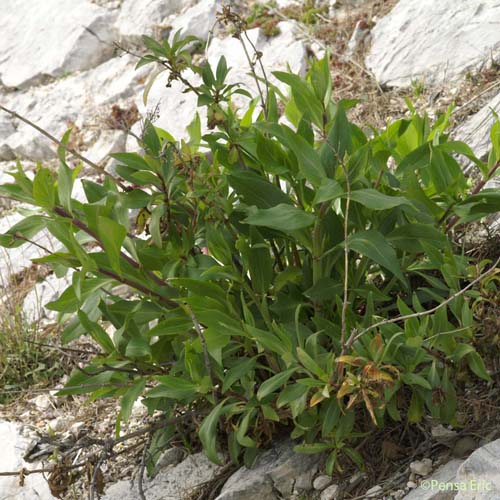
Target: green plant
{"type": "Point", "coordinates": [262, 16]}
{"type": "Point", "coordinates": [284, 276]}
{"type": "Point", "coordinates": [418, 87]}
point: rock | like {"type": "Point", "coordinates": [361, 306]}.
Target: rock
{"type": "Point", "coordinates": [77, 429]}
{"type": "Point", "coordinates": [443, 435]}
{"type": "Point", "coordinates": [169, 458]}
{"type": "Point", "coordinates": [277, 471]}
{"type": "Point", "coordinates": [144, 17]}
{"type": "Point", "coordinates": [43, 402]}
{"type": "Point", "coordinates": [321, 482]}
{"type": "Point", "coordinates": [54, 37]}
{"type": "Point", "coordinates": [58, 424]}
{"type": "Point", "coordinates": [331, 493]}
{"type": "Point", "coordinates": [14, 260]}
{"type": "Point", "coordinates": [374, 492]}
{"type": "Point", "coordinates": [108, 142]}
{"type": "Point", "coordinates": [13, 447]}
{"type": "Point", "coordinates": [171, 484]}
{"type": "Point", "coordinates": [198, 20]}
{"type": "Point", "coordinates": [481, 472]}
{"type": "Point", "coordinates": [433, 41]}
{"type": "Point", "coordinates": [48, 290]}
{"type": "Point", "coordinates": [464, 446]}
{"type": "Point", "coordinates": [76, 100]}
{"type": "Point", "coordinates": [421, 467]}
{"type": "Point", "coordinates": [445, 474]}
{"type": "Point", "coordinates": [475, 131]}
{"type": "Point", "coordinates": [358, 38]}
{"type": "Point", "coordinates": [411, 485]}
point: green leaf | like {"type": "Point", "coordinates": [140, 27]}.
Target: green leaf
{"type": "Point", "coordinates": [256, 190]}
{"type": "Point", "coordinates": [111, 235]}
{"type": "Point", "coordinates": [409, 236]}
{"type": "Point", "coordinates": [208, 432]}
{"type": "Point", "coordinates": [329, 190]}
{"type": "Point", "coordinates": [415, 379]}
{"type": "Point", "coordinates": [313, 448]}
{"type": "Point", "coordinates": [373, 245]}
{"type": "Point", "coordinates": [310, 364]}
{"type": "Point", "coordinates": [132, 160]}
{"type": "Point", "coordinates": [271, 384]}
{"type": "Point", "coordinates": [44, 191]}
{"type": "Point", "coordinates": [374, 200]}
{"type": "Point", "coordinates": [244, 367]}
{"type": "Point", "coordinates": [173, 387]}
{"type": "Point", "coordinates": [25, 228]}
{"type": "Point", "coordinates": [282, 217]}
{"type": "Point", "coordinates": [476, 364]}
{"type": "Point", "coordinates": [130, 397]}
{"type": "Point", "coordinates": [96, 332]}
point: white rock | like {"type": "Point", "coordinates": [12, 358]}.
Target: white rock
{"type": "Point", "coordinates": [482, 468]}
{"type": "Point", "coordinates": [48, 290]}
{"type": "Point", "coordinates": [198, 20]}
{"type": "Point", "coordinates": [434, 41]}
{"type": "Point", "coordinates": [51, 37]}
{"type": "Point", "coordinates": [445, 474]}
{"type": "Point", "coordinates": [421, 467]}
{"type": "Point", "coordinates": [374, 491]}
{"type": "Point", "coordinates": [475, 131]}
{"type": "Point", "coordinates": [58, 424]}
{"type": "Point", "coordinates": [278, 470]}
{"type": "Point", "coordinates": [331, 493]}
{"type": "Point", "coordinates": [13, 447]}
{"type": "Point", "coordinates": [77, 99]}
{"type": "Point", "coordinates": [171, 484]}
{"type": "Point", "coordinates": [14, 260]}
{"type": "Point", "coordinates": [321, 482]}
{"type": "Point", "coordinates": [141, 18]}
{"type": "Point", "coordinates": [43, 402]}
{"type": "Point", "coordinates": [109, 141]}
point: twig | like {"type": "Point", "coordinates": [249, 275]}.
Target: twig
{"type": "Point", "coordinates": [355, 336]}
{"type": "Point", "coordinates": [140, 479]}
{"type": "Point", "coordinates": [343, 323]}
{"type": "Point", "coordinates": [90, 163]}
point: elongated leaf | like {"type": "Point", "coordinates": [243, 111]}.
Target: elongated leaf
{"type": "Point", "coordinates": [208, 432]}
{"type": "Point", "coordinates": [373, 245]}
{"type": "Point", "coordinates": [44, 191]}
{"type": "Point", "coordinates": [112, 235]}
{"type": "Point", "coordinates": [273, 383]}
{"type": "Point", "coordinates": [130, 397]}
{"type": "Point", "coordinates": [375, 200]}
{"type": "Point", "coordinates": [282, 217]}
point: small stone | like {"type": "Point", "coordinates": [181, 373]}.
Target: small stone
{"type": "Point", "coordinates": [77, 428]}
{"type": "Point", "coordinates": [421, 467]}
{"type": "Point", "coordinates": [42, 402]}
{"type": "Point", "coordinates": [321, 482]}
{"type": "Point", "coordinates": [443, 435]}
{"type": "Point", "coordinates": [58, 424]}
{"type": "Point", "coordinates": [374, 492]}
{"type": "Point", "coordinates": [331, 493]}
{"type": "Point", "coordinates": [464, 447]}
{"type": "Point", "coordinates": [411, 485]}
{"type": "Point", "coordinates": [170, 458]}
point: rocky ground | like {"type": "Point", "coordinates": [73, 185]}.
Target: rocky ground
{"type": "Point", "coordinates": [70, 63]}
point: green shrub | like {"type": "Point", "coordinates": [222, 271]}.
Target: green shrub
{"type": "Point", "coordinates": [297, 276]}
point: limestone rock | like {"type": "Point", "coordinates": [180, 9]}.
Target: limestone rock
{"type": "Point", "coordinates": [421, 467]}
{"type": "Point", "coordinates": [321, 482]}
{"type": "Point", "coordinates": [141, 18]}
{"type": "Point", "coordinates": [50, 289]}
{"type": "Point", "coordinates": [75, 100]}
{"type": "Point", "coordinates": [54, 37]}
{"type": "Point", "coordinates": [197, 20]}
{"type": "Point", "coordinates": [14, 260]}
{"type": "Point", "coordinates": [171, 484]}
{"type": "Point", "coordinates": [434, 41]}
{"type": "Point", "coordinates": [475, 131]}
{"type": "Point", "coordinates": [277, 471]}
{"type": "Point", "coordinates": [331, 493]}
{"type": "Point", "coordinates": [13, 447]}
{"type": "Point", "coordinates": [482, 467]}
{"type": "Point", "coordinates": [445, 474]}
